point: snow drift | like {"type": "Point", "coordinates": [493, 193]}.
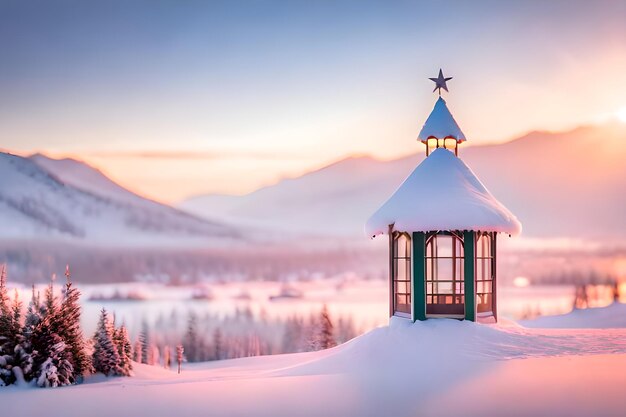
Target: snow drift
{"type": "Point", "coordinates": [432, 368]}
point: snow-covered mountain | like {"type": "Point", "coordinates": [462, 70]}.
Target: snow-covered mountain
{"type": "Point", "coordinates": [87, 178]}
{"type": "Point", "coordinates": [66, 200]}
{"type": "Point", "coordinates": [568, 184]}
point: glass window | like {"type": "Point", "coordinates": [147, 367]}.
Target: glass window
{"type": "Point", "coordinates": [485, 271]}
{"type": "Point", "coordinates": [401, 249]}
{"type": "Point", "coordinates": [444, 273]}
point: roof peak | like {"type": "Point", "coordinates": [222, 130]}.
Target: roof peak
{"type": "Point", "coordinates": [440, 124]}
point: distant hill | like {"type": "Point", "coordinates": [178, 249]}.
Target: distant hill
{"type": "Point", "coordinates": [566, 184]}
{"type": "Point", "coordinates": [44, 199]}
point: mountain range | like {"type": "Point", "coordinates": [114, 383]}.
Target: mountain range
{"type": "Point", "coordinates": [49, 200]}
{"type": "Point", "coordinates": [559, 184]}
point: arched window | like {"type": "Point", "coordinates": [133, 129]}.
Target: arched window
{"type": "Point", "coordinates": [485, 272]}
{"type": "Point", "coordinates": [401, 274]}
{"type": "Point", "coordinates": [444, 274]}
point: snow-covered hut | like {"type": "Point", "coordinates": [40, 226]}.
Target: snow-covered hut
{"type": "Point", "coordinates": [442, 225]}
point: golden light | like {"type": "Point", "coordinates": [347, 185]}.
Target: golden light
{"type": "Point", "coordinates": [432, 144]}
{"type": "Point", "coordinates": [621, 114]}
{"type": "Point", "coordinates": [450, 143]}
{"type": "Point", "coordinates": [521, 282]}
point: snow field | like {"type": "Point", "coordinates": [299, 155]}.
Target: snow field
{"type": "Point", "coordinates": [433, 368]}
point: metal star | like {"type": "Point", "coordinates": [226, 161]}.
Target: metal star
{"type": "Point", "coordinates": [440, 82]}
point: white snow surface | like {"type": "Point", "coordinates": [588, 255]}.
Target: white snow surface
{"type": "Point", "coordinates": [609, 317]}
{"type": "Point", "coordinates": [441, 124]}
{"type": "Point", "coordinates": [432, 368]}
{"type": "Point", "coordinates": [442, 193]}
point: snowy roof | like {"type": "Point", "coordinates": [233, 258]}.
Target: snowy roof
{"type": "Point", "coordinates": [440, 124]}
{"type": "Point", "coordinates": [442, 193]}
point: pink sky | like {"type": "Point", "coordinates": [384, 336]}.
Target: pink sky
{"type": "Point", "coordinates": [180, 101]}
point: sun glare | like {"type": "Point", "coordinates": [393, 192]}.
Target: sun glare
{"type": "Point", "coordinates": [621, 114]}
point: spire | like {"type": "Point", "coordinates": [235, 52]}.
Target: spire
{"type": "Point", "coordinates": [441, 125]}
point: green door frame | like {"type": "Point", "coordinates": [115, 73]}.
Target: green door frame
{"type": "Point", "coordinates": [469, 254]}
{"type": "Point", "coordinates": [418, 283]}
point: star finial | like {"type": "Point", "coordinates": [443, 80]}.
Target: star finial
{"type": "Point", "coordinates": [440, 82]}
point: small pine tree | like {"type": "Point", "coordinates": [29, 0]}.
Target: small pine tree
{"type": "Point", "coordinates": [137, 351]}
{"type": "Point", "coordinates": [49, 307]}
{"type": "Point", "coordinates": [191, 341]}
{"type": "Point", "coordinates": [33, 315]}
{"type": "Point", "coordinates": [69, 328]}
{"type": "Point", "coordinates": [218, 345]}
{"type": "Point", "coordinates": [144, 340]}
{"type": "Point", "coordinates": [105, 358]}
{"type": "Point", "coordinates": [56, 370]}
{"type": "Point", "coordinates": [22, 359]}
{"type": "Point", "coordinates": [325, 335]}
{"type": "Point", "coordinates": [124, 351]}
{"type": "Point", "coordinates": [9, 331]}
{"type": "Point", "coordinates": [51, 359]}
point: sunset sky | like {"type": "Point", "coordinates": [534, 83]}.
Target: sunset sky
{"type": "Point", "coordinates": [179, 98]}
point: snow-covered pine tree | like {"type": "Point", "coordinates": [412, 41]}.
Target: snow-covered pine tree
{"type": "Point", "coordinates": [70, 331]}
{"type": "Point", "coordinates": [9, 331]}
{"type": "Point", "coordinates": [105, 358]}
{"type": "Point", "coordinates": [56, 370]}
{"type": "Point", "coordinates": [51, 358]}
{"type": "Point", "coordinates": [33, 314]}
{"type": "Point", "coordinates": [124, 351]}
{"type": "Point", "coordinates": [24, 350]}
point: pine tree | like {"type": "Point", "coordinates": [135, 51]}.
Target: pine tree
{"type": "Point", "coordinates": [33, 315]}
{"type": "Point", "coordinates": [325, 336]}
{"type": "Point", "coordinates": [22, 359]}
{"type": "Point", "coordinates": [54, 356]}
{"type": "Point", "coordinates": [124, 351]}
{"type": "Point", "coordinates": [191, 341]}
{"type": "Point", "coordinates": [218, 345]}
{"type": "Point", "coordinates": [137, 351]}
{"type": "Point", "coordinates": [51, 358]}
{"type": "Point", "coordinates": [9, 331]}
{"type": "Point", "coordinates": [70, 331]}
{"type": "Point", "coordinates": [49, 307]}
{"type": "Point", "coordinates": [24, 350]}
{"type": "Point", "coordinates": [56, 370]}
{"type": "Point", "coordinates": [105, 358]}
{"type": "Point", "coordinates": [144, 340]}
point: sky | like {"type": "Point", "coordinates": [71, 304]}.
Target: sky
{"type": "Point", "coordinates": [179, 98]}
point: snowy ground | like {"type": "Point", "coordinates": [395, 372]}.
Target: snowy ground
{"type": "Point", "coordinates": [612, 316]}
{"type": "Point", "coordinates": [434, 368]}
